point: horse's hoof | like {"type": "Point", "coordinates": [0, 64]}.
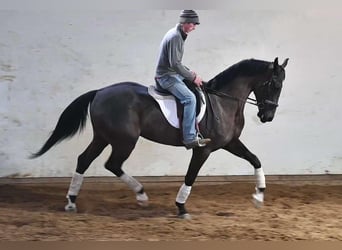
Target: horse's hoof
{"type": "Point", "coordinates": [257, 204]}
{"type": "Point", "coordinates": [142, 199]}
{"type": "Point", "coordinates": [258, 200]}
{"type": "Point", "coordinates": [143, 203]}
{"type": "Point", "coordinates": [185, 216]}
{"type": "Point", "coordinates": [71, 208]}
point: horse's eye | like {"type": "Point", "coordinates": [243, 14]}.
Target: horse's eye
{"type": "Point", "coordinates": [277, 84]}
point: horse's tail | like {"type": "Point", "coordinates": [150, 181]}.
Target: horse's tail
{"type": "Point", "coordinates": [72, 119]}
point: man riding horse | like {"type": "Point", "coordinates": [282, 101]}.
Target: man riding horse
{"type": "Point", "coordinates": [170, 74]}
{"type": "Point", "coordinates": [123, 112]}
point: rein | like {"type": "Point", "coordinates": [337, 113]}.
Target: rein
{"type": "Point", "coordinates": [218, 93]}
{"type": "Point", "coordinates": [248, 100]}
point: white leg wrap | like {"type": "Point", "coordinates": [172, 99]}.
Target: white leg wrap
{"type": "Point", "coordinates": [131, 182]}
{"type": "Point", "coordinates": [183, 193]}
{"type": "Point", "coordinates": [260, 178]}
{"type": "Point", "coordinates": [75, 184]}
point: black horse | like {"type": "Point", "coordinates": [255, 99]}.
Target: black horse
{"type": "Point", "coordinates": [122, 112]}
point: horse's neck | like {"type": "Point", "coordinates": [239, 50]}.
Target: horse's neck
{"type": "Point", "coordinates": [240, 87]}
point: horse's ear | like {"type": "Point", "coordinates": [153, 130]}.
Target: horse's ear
{"type": "Point", "coordinates": [276, 62]}
{"type": "Point", "coordinates": [285, 63]}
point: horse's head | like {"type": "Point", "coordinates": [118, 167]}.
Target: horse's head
{"type": "Point", "coordinates": [267, 93]}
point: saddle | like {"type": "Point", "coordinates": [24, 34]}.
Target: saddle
{"type": "Point", "coordinates": [172, 108]}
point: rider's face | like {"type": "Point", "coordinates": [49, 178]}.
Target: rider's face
{"type": "Point", "coordinates": [188, 27]}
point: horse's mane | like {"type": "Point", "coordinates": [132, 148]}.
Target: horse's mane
{"type": "Point", "coordinates": [247, 67]}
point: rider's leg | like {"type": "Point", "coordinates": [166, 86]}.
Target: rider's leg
{"type": "Point", "coordinates": [176, 86]}
{"type": "Point", "coordinates": [188, 100]}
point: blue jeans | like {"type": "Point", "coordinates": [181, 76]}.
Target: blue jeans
{"type": "Point", "coordinates": [175, 85]}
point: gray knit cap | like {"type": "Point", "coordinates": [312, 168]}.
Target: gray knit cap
{"type": "Point", "coordinates": [188, 16]}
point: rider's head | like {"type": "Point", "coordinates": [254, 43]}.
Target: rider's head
{"type": "Point", "coordinates": [188, 19]}
{"type": "Point", "coordinates": [189, 16]}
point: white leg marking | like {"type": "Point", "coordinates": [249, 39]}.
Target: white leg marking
{"type": "Point", "coordinates": [131, 182]}
{"type": "Point", "coordinates": [260, 178]}
{"type": "Point", "coordinates": [136, 186]}
{"type": "Point", "coordinates": [183, 193]}
{"type": "Point", "coordinates": [75, 184]}
{"type": "Point", "coordinates": [258, 196]}
{"type": "Point", "coordinates": [74, 188]}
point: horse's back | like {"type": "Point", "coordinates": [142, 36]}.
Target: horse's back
{"type": "Point", "coordinates": [127, 109]}
{"type": "Point", "coordinates": [121, 88]}
{"type": "Point", "coordinates": [119, 106]}
{"type": "Point", "coordinates": [118, 97]}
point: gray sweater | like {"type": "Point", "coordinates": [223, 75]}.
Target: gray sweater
{"type": "Point", "coordinates": [171, 54]}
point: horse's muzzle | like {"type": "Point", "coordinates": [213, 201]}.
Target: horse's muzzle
{"type": "Point", "coordinates": [265, 117]}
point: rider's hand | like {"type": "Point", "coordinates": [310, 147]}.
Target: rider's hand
{"type": "Point", "coordinates": [198, 81]}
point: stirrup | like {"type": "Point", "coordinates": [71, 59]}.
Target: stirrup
{"type": "Point", "coordinates": [202, 142]}
{"type": "Point", "coordinates": [198, 142]}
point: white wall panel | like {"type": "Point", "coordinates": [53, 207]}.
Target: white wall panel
{"type": "Point", "coordinates": [50, 57]}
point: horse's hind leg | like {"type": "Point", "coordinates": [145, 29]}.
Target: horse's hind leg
{"type": "Point", "coordinates": [114, 164]}
{"type": "Point", "coordinates": [84, 160]}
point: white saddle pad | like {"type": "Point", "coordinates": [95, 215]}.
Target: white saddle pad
{"type": "Point", "coordinates": [167, 104]}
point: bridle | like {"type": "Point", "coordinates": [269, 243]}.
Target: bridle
{"type": "Point", "coordinates": [265, 102]}
{"type": "Point", "coordinates": [260, 105]}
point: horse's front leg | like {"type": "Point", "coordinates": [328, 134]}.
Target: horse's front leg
{"type": "Point", "coordinates": [237, 148]}
{"type": "Point", "coordinates": [199, 156]}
